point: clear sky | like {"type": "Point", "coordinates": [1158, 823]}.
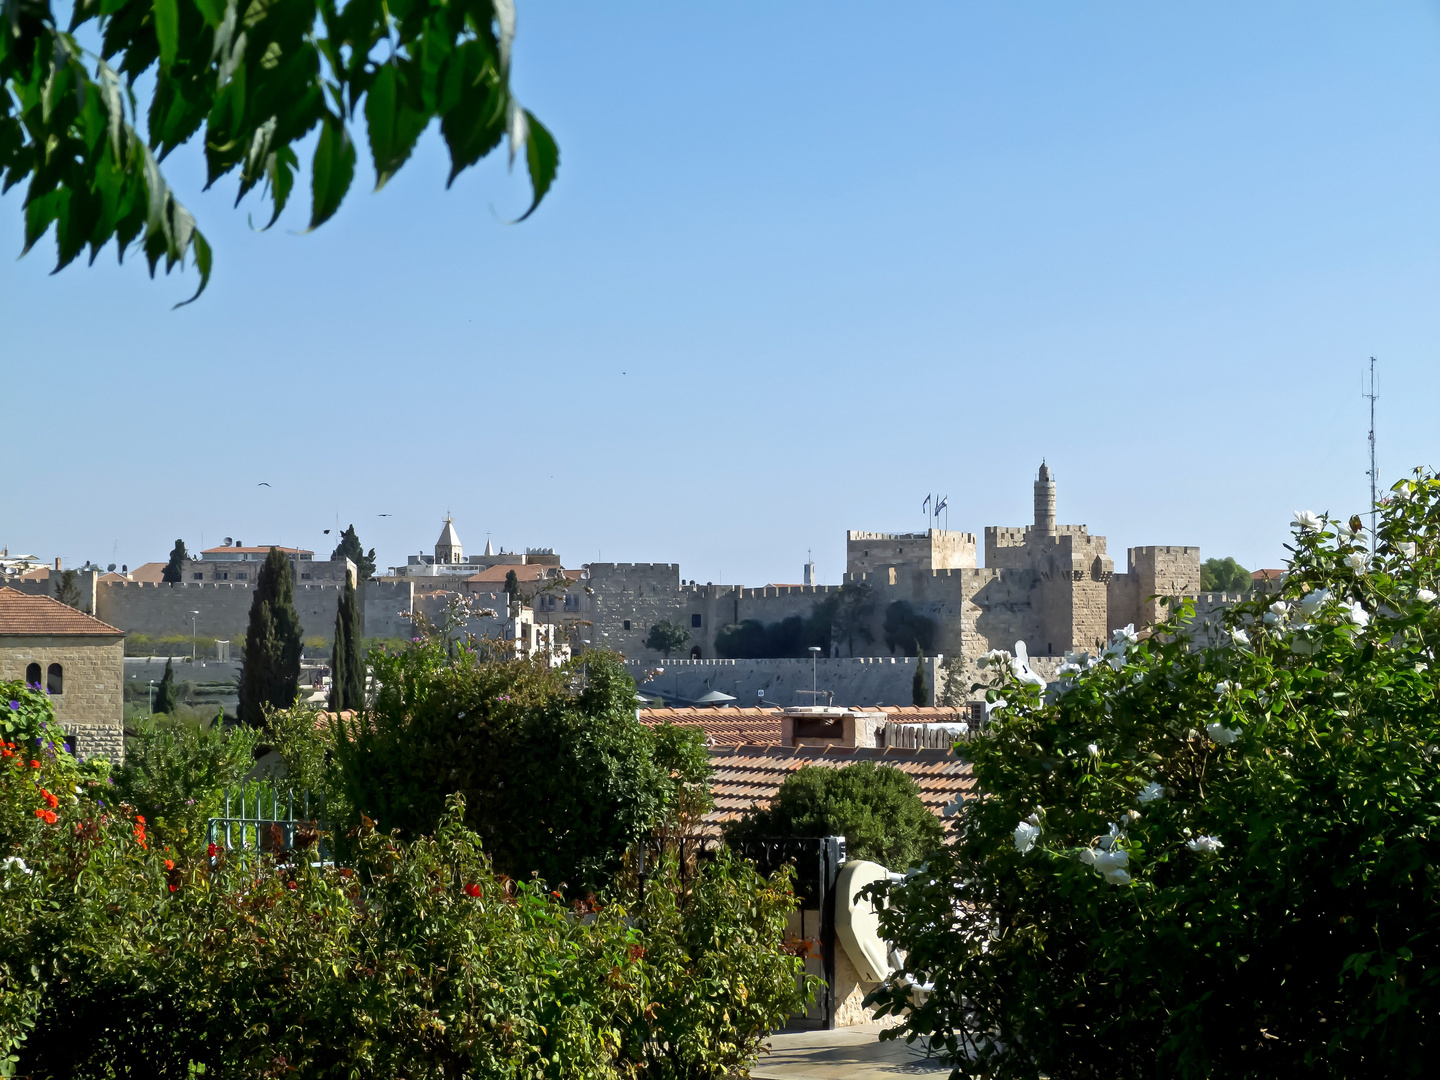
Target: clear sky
{"type": "Point", "coordinates": [803, 264]}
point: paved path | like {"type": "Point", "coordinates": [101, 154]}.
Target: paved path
{"type": "Point", "coordinates": [852, 1053]}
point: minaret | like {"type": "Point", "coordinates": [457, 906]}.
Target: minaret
{"type": "Point", "coordinates": [1045, 502]}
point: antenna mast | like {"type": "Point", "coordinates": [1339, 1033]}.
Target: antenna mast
{"type": "Point", "coordinates": [1373, 474]}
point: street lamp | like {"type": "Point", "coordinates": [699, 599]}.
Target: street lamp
{"type": "Point", "coordinates": [150, 711]}
{"type": "Point", "coordinates": [193, 616]}
{"type": "Point", "coordinates": [814, 674]}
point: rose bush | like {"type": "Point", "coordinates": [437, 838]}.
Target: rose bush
{"type": "Point", "coordinates": [1213, 861]}
{"type": "Point", "coordinates": [122, 956]}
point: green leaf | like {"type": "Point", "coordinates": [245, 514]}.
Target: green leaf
{"type": "Point", "coordinates": [393, 126]}
{"type": "Point", "coordinates": [167, 30]}
{"type": "Point", "coordinates": [542, 157]}
{"type": "Point", "coordinates": [333, 169]}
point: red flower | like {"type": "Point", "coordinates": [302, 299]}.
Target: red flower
{"type": "Point", "coordinates": [34, 764]}
{"type": "Point", "coordinates": [174, 888]}
{"type": "Point", "coordinates": [472, 891]}
{"type": "Point", "coordinates": [51, 799]}
{"type": "Point", "coordinates": [290, 884]}
{"type": "Point", "coordinates": [211, 850]}
{"type": "Point", "coordinates": [47, 816]}
{"type": "Point", "coordinates": [169, 864]}
{"type": "Point", "coordinates": [140, 818]}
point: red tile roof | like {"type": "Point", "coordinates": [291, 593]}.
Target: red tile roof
{"type": "Point", "coordinates": [747, 776]}
{"type": "Point", "coordinates": [42, 616]}
{"type": "Point", "coordinates": [263, 549]}
{"type": "Point", "coordinates": [722, 727]}
{"type": "Point", "coordinates": [497, 573]}
{"type": "Point", "coordinates": [926, 714]}
{"type": "Point", "coordinates": [150, 571]}
{"type": "Point", "coordinates": [1266, 575]}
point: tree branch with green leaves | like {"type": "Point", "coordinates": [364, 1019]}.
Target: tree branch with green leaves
{"type": "Point", "coordinates": [259, 77]}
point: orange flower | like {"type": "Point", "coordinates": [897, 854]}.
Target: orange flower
{"type": "Point", "coordinates": [169, 864]}
{"type": "Point", "coordinates": [49, 816]}
{"type": "Point", "coordinates": [34, 764]}
{"type": "Point", "coordinates": [51, 799]}
{"type": "Point", "coordinates": [140, 818]}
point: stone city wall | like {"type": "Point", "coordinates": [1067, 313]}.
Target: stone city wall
{"type": "Point", "coordinates": [224, 608]}
{"type": "Point", "coordinates": [855, 681]}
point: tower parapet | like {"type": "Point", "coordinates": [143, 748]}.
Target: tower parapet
{"type": "Point", "coordinates": [1045, 502]}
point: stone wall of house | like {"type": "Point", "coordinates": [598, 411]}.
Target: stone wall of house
{"type": "Point", "coordinates": [90, 705]}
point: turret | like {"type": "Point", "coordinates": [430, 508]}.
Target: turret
{"type": "Point", "coordinates": [447, 548]}
{"type": "Point", "coordinates": [1045, 502]}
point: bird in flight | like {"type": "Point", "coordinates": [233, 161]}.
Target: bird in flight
{"type": "Point", "coordinates": [262, 484]}
{"type": "Point", "coordinates": [384, 515]}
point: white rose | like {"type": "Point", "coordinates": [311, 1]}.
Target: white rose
{"type": "Point", "coordinates": [1221, 734]}
{"type": "Point", "coordinates": [1093, 750]}
{"type": "Point", "coordinates": [1151, 792]}
{"type": "Point", "coordinates": [1312, 602]}
{"type": "Point", "coordinates": [1357, 561]}
{"type": "Point", "coordinates": [1025, 835]}
{"type": "Point", "coordinates": [1407, 549]}
{"type": "Point", "coordinates": [1310, 521]}
{"type": "Point", "coordinates": [1117, 877]}
{"type": "Point", "coordinates": [1239, 637]}
{"type": "Point", "coordinates": [1106, 861]}
{"type": "Point", "coordinates": [1223, 687]}
{"type": "Point", "coordinates": [1204, 844]}
{"type": "Point", "coordinates": [1357, 615]}
{"type": "Point", "coordinates": [1425, 596]}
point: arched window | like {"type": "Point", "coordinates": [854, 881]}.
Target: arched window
{"type": "Point", "coordinates": [32, 675]}
{"type": "Point", "coordinates": [55, 679]}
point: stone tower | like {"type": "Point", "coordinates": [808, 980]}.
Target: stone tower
{"type": "Point", "coordinates": [447, 548]}
{"type": "Point", "coordinates": [1045, 502]}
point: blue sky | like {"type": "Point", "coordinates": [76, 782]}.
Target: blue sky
{"type": "Point", "coordinates": [803, 264]}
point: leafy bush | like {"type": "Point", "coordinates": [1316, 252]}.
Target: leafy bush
{"type": "Point", "coordinates": [557, 773]}
{"type": "Point", "coordinates": [175, 774]}
{"type": "Point", "coordinates": [665, 636]}
{"type": "Point", "coordinates": [1216, 862]}
{"type": "Point", "coordinates": [119, 957]}
{"type": "Point", "coordinates": [876, 808]}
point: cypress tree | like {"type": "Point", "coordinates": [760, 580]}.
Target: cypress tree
{"type": "Point", "coordinates": [165, 697]}
{"type": "Point", "coordinates": [920, 688]}
{"type": "Point", "coordinates": [271, 674]}
{"type": "Point", "coordinates": [178, 555]}
{"type": "Point", "coordinates": [347, 668]}
{"type": "Point", "coordinates": [349, 548]}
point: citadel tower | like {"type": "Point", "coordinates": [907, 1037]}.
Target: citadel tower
{"type": "Point", "coordinates": [1045, 502]}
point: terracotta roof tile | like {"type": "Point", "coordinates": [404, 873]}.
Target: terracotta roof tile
{"type": "Point", "coordinates": [748, 775]}
{"type": "Point", "coordinates": [722, 727]}
{"type": "Point", "coordinates": [523, 572]}
{"type": "Point", "coordinates": [31, 615]}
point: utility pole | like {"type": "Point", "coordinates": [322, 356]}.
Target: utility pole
{"type": "Point", "coordinates": [1374, 474]}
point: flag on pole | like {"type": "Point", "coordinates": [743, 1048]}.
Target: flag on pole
{"type": "Point", "coordinates": [941, 505]}
{"type": "Point", "coordinates": [925, 506]}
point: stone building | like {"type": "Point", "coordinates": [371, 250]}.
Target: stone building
{"type": "Point", "coordinates": [235, 562]}
{"type": "Point", "coordinates": [77, 658]}
{"type": "Point", "coordinates": [1051, 585]}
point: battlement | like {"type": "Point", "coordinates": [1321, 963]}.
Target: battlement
{"type": "Point", "coordinates": [855, 536]}
{"type": "Point", "coordinates": [781, 661]}
{"type": "Point", "coordinates": [1164, 549]}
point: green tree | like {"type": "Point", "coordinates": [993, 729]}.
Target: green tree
{"type": "Point", "coordinates": [877, 808]}
{"type": "Point", "coordinates": [67, 590]}
{"type": "Point", "coordinates": [1206, 862]}
{"type": "Point", "coordinates": [347, 662]}
{"type": "Point", "coordinates": [666, 636]}
{"type": "Point", "coordinates": [919, 686]}
{"type": "Point", "coordinates": [174, 569]}
{"type": "Point", "coordinates": [854, 611]}
{"type": "Point", "coordinates": [907, 630]}
{"type": "Point", "coordinates": [271, 672]}
{"type": "Point", "coordinates": [166, 699]}
{"type": "Point", "coordinates": [1224, 575]}
{"type": "Point", "coordinates": [512, 585]}
{"type": "Point", "coordinates": [351, 548]}
{"type": "Point", "coordinates": [259, 80]}
{"type": "Point", "coordinates": [558, 775]}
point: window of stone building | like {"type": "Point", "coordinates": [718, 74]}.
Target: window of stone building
{"type": "Point", "coordinates": [242, 577]}
{"type": "Point", "coordinates": [32, 675]}
{"type": "Point", "coordinates": [695, 620]}
{"type": "Point", "coordinates": [197, 577]}
{"type": "Point", "coordinates": [55, 679]}
{"type": "Point", "coordinates": [222, 577]}
{"type": "Point", "coordinates": [304, 577]}
{"type": "Point", "coordinates": [627, 624]}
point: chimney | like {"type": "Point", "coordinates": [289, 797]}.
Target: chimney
{"type": "Point", "coordinates": [57, 564]}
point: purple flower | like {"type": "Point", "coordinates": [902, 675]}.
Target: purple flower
{"type": "Point", "coordinates": [15, 705]}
